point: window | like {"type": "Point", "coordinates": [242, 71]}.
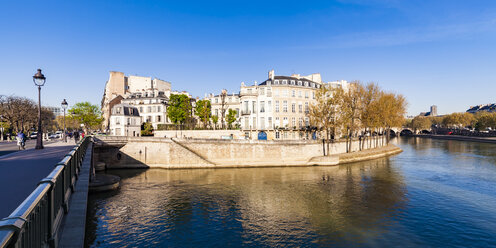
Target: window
{"type": "Point", "coordinates": [262, 106]}
{"type": "Point", "coordinates": [254, 106]}
{"type": "Point", "coordinates": [216, 112]}
{"type": "Point", "coordinates": [276, 92]}
{"type": "Point", "coordinates": [262, 91]}
{"type": "Point", "coordinates": [277, 106]}
{"type": "Point", "coordinates": [149, 109]}
{"type": "Point", "coordinates": [306, 94]}
{"type": "Point", "coordinates": [268, 82]}
{"type": "Point", "coordinates": [159, 118]}
{"type": "Point", "coordinates": [293, 122]}
{"type": "Point", "coordinates": [254, 122]}
{"type": "Point", "coordinates": [285, 93]}
{"type": "Point", "coordinates": [278, 136]}
{"type": "Point", "coordinates": [277, 122]}
{"type": "Point", "coordinates": [154, 109]}
{"type": "Point", "coordinates": [217, 99]}
{"type": "Point", "coordinates": [292, 82]}
{"type": "Point", "coordinates": [237, 112]}
{"type": "Point", "coordinates": [269, 106]}
{"type": "Point", "coordinates": [300, 122]}
{"type": "Point", "coordinates": [299, 93]}
{"type": "Point", "coordinates": [270, 122]}
{"type": "Point", "coordinates": [117, 120]}
{"type": "Point", "coordinates": [284, 81]}
{"type": "Point", "coordinates": [300, 108]}
{"type": "Point", "coordinates": [306, 84]}
{"type": "Point", "coordinates": [276, 82]}
{"type": "Point", "coordinates": [269, 93]}
{"type": "Point", "coordinates": [307, 122]}
{"type": "Point", "coordinates": [141, 109]}
{"type": "Point", "coordinates": [313, 85]}
{"type": "Point", "coordinates": [306, 108]}
{"type": "Point", "coordinates": [285, 106]}
{"type": "Point", "coordinates": [159, 108]}
{"type": "Point", "coordinates": [246, 107]}
{"type": "Point", "coordinates": [149, 118]}
{"type": "Point", "coordinates": [293, 93]}
{"type": "Point", "coordinates": [247, 123]}
{"type": "Point", "coordinates": [293, 107]}
{"type": "Point", "coordinates": [313, 95]}
{"type": "Point", "coordinates": [285, 121]}
{"type": "Point", "coordinates": [128, 121]}
{"type": "Point", "coordinates": [300, 83]}
{"type": "Point", "coordinates": [262, 123]}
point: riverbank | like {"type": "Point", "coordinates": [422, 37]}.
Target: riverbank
{"type": "Point", "coordinates": [118, 153]}
{"type": "Point", "coordinates": [458, 137]}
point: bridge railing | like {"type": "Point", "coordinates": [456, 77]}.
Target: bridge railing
{"type": "Point", "coordinates": [36, 221]}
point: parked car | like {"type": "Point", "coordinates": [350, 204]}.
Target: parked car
{"type": "Point", "coordinates": [33, 135]}
{"type": "Point", "coordinates": [54, 136]}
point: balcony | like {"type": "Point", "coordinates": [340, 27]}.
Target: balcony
{"type": "Point", "coordinates": [245, 112]}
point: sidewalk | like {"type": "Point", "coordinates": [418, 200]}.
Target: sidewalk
{"type": "Point", "coordinates": [21, 171]}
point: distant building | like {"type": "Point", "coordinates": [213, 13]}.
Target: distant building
{"type": "Point", "coordinates": [149, 95]}
{"type": "Point", "coordinates": [57, 111]}
{"type": "Point", "coordinates": [490, 107]}
{"type": "Point", "coordinates": [433, 112]}
{"type": "Point", "coordinates": [232, 101]}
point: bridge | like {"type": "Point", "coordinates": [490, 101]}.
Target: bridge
{"type": "Point", "coordinates": [54, 213]}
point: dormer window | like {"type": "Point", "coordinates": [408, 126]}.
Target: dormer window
{"type": "Point", "coordinates": [284, 82]}
{"type": "Point", "coordinates": [292, 82]}
{"type": "Point", "coordinates": [300, 83]}
{"type": "Point", "coordinates": [276, 82]}
{"type": "Point", "coordinates": [306, 84]}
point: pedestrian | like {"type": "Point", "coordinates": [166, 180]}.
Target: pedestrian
{"type": "Point", "coordinates": [76, 136]}
{"type": "Point", "coordinates": [21, 140]}
{"type": "Point", "coordinates": [8, 137]}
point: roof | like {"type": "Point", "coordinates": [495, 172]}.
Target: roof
{"type": "Point", "coordinates": [287, 78]}
{"type": "Point", "coordinates": [127, 110]}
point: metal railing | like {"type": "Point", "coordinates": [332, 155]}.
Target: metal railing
{"type": "Point", "coordinates": [36, 221]}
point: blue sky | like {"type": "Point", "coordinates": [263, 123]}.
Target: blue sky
{"type": "Point", "coordinates": [433, 52]}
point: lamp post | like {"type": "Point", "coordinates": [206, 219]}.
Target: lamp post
{"type": "Point", "coordinates": [64, 106]}
{"type": "Point", "coordinates": [39, 80]}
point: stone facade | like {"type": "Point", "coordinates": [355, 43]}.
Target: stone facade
{"type": "Point", "coordinates": [132, 152]}
{"type": "Point", "coordinates": [125, 121]}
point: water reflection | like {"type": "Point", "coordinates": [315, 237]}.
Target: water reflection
{"type": "Point", "coordinates": [250, 207]}
{"type": "Point", "coordinates": [436, 193]}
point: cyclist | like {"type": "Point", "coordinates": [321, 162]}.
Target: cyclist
{"type": "Point", "coordinates": [21, 140]}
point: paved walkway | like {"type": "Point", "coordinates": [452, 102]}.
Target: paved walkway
{"type": "Point", "coordinates": [21, 171]}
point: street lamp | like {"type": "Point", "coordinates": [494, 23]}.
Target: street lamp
{"type": "Point", "coordinates": [39, 80]}
{"type": "Point", "coordinates": [64, 106]}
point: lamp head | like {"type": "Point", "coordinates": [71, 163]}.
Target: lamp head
{"type": "Point", "coordinates": [39, 79]}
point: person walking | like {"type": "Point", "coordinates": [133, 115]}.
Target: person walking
{"type": "Point", "coordinates": [21, 140]}
{"type": "Point", "coordinates": [76, 136]}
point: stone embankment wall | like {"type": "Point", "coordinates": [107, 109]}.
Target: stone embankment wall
{"type": "Point", "coordinates": [136, 152]}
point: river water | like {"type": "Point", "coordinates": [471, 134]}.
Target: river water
{"type": "Point", "coordinates": [435, 194]}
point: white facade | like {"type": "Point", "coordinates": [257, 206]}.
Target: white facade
{"type": "Point", "coordinates": [125, 121]}
{"type": "Point", "coordinates": [151, 106]}
{"type": "Point", "coordinates": [280, 102]}
{"type": "Point", "coordinates": [232, 101]}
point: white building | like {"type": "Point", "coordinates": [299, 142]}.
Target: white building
{"type": "Point", "coordinates": [125, 121]}
{"type": "Point", "coordinates": [231, 101]}
{"type": "Point", "coordinates": [151, 106]}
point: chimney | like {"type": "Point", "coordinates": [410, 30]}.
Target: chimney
{"type": "Point", "coordinates": [271, 74]}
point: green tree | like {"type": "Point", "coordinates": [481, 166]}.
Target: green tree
{"type": "Point", "coordinates": [215, 119]}
{"type": "Point", "coordinates": [231, 117]}
{"type": "Point", "coordinates": [179, 108]}
{"type": "Point", "coordinates": [203, 110]}
{"type": "Point", "coordinates": [87, 114]}
{"type": "Point", "coordinates": [485, 120]}
{"type": "Point", "coordinates": [147, 129]}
